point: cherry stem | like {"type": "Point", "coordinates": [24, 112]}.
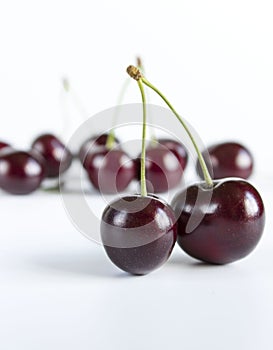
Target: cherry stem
{"type": "Point", "coordinates": [143, 187]}
{"type": "Point", "coordinates": [136, 74]}
{"type": "Point", "coordinates": [152, 130]}
{"type": "Point", "coordinates": [66, 84]}
{"type": "Point", "coordinates": [111, 137]}
{"type": "Point", "coordinates": [78, 103]}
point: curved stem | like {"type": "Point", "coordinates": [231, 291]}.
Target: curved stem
{"type": "Point", "coordinates": [204, 168]}
{"type": "Point", "coordinates": [143, 147]}
{"type": "Point", "coordinates": [77, 101]}
{"type": "Point", "coordinates": [151, 129]}
{"type": "Point", "coordinates": [111, 137]}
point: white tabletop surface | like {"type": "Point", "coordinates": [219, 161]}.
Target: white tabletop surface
{"type": "Point", "coordinates": [58, 290]}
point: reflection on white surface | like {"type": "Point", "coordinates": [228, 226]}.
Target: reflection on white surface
{"type": "Point", "coordinates": [64, 287]}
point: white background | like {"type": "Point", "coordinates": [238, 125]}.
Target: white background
{"type": "Point", "coordinates": [214, 61]}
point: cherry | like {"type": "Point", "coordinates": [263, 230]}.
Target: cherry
{"type": "Point", "coordinates": [3, 145]}
{"type": "Point", "coordinates": [109, 171]}
{"type": "Point", "coordinates": [232, 221]}
{"type": "Point", "coordinates": [229, 159]}
{"type": "Point", "coordinates": [218, 222]}
{"type": "Point", "coordinates": [92, 144]}
{"type": "Point", "coordinates": [20, 172]}
{"type": "Point", "coordinates": [163, 170]}
{"type": "Point", "coordinates": [165, 162]}
{"type": "Point", "coordinates": [138, 233]}
{"type": "Point", "coordinates": [178, 150]}
{"type": "Point", "coordinates": [57, 157]}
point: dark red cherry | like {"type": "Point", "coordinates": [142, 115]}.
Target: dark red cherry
{"type": "Point", "coordinates": [20, 172]}
{"type": "Point", "coordinates": [138, 233]}
{"type": "Point", "coordinates": [178, 150]}
{"type": "Point", "coordinates": [3, 145]}
{"type": "Point", "coordinates": [229, 159]}
{"type": "Point", "coordinates": [91, 144]}
{"type": "Point", "coordinates": [110, 171]}
{"type": "Point", "coordinates": [222, 224]}
{"type": "Point", "coordinates": [163, 168]}
{"type": "Point", "coordinates": [57, 157]}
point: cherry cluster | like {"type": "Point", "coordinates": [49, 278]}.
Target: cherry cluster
{"type": "Point", "coordinates": [108, 167]}
{"type": "Point", "coordinates": [217, 220]}
{"type": "Point", "coordinates": [22, 172]}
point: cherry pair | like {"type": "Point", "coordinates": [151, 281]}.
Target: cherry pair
{"type": "Point", "coordinates": [218, 221]}
{"type": "Point", "coordinates": [111, 170]}
{"type": "Point", "coordinates": [22, 172]}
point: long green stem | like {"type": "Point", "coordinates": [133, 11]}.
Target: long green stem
{"type": "Point", "coordinates": [143, 147]}
{"type": "Point", "coordinates": [204, 168]}
{"type": "Point", "coordinates": [151, 129]}
{"type": "Point", "coordinates": [111, 137]}
{"type": "Point", "coordinates": [77, 101]}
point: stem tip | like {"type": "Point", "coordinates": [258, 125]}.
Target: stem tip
{"type": "Point", "coordinates": [134, 73]}
{"type": "Point", "coordinates": [139, 61]}
{"type": "Point", "coordinates": [66, 84]}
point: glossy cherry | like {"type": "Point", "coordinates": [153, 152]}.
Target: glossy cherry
{"type": "Point", "coordinates": [229, 159]}
{"type": "Point", "coordinates": [20, 172]}
{"type": "Point", "coordinates": [218, 221]}
{"type": "Point", "coordinates": [57, 157]}
{"type": "Point", "coordinates": [178, 150]}
{"type": "Point", "coordinates": [91, 144]}
{"type": "Point", "coordinates": [110, 171]}
{"type": "Point", "coordinates": [222, 224]}
{"type": "Point", "coordinates": [138, 233]}
{"type": "Point", "coordinates": [165, 162]}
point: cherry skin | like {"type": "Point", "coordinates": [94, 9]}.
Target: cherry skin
{"type": "Point", "coordinates": [91, 144]}
{"type": "Point", "coordinates": [20, 172]}
{"type": "Point", "coordinates": [165, 162]}
{"type": "Point", "coordinates": [110, 171]}
{"type": "Point", "coordinates": [57, 157]}
{"type": "Point", "coordinates": [178, 150]}
{"type": "Point", "coordinates": [222, 224]}
{"type": "Point", "coordinates": [138, 233]}
{"type": "Point", "coordinates": [229, 159]}
{"type": "Point", "coordinates": [3, 145]}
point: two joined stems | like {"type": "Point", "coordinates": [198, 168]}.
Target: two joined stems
{"type": "Point", "coordinates": [135, 73]}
